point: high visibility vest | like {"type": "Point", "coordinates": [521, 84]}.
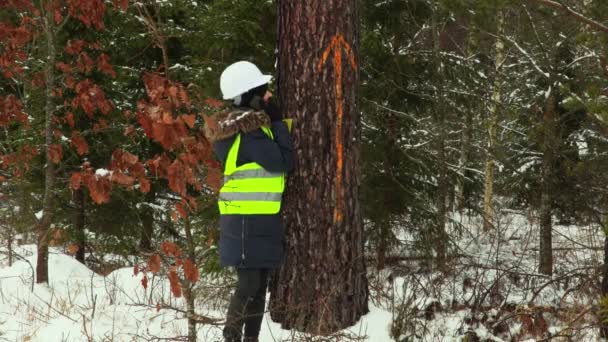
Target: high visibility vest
{"type": "Point", "coordinates": [249, 189]}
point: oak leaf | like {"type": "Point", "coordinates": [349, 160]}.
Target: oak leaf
{"type": "Point", "coordinates": [144, 282]}
{"type": "Point", "coordinates": [55, 153]}
{"type": "Point", "coordinates": [75, 180]}
{"type": "Point", "coordinates": [181, 210]}
{"type": "Point", "coordinates": [144, 185]}
{"type": "Point", "coordinates": [69, 117]}
{"type": "Point", "coordinates": [82, 147]}
{"type": "Point", "coordinates": [154, 263]}
{"type": "Point", "coordinates": [214, 103]}
{"type": "Point", "coordinates": [73, 249]}
{"type": "Point", "coordinates": [191, 272]}
{"type": "Point", "coordinates": [170, 249]}
{"type": "Point", "coordinates": [176, 287]}
{"type": "Point", "coordinates": [214, 179]}
{"type": "Point", "coordinates": [189, 120]}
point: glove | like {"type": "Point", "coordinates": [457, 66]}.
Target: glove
{"type": "Point", "coordinates": [272, 110]}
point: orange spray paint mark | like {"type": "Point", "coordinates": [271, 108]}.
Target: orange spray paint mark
{"type": "Point", "coordinates": [337, 44]}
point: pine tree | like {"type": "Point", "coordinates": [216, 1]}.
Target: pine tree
{"type": "Point", "coordinates": [321, 287]}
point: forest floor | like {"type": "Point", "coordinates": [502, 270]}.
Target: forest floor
{"type": "Point", "coordinates": [81, 305]}
{"type": "Point", "coordinates": [490, 292]}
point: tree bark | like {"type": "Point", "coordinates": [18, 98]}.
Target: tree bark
{"type": "Point", "coordinates": [545, 263]}
{"type": "Point", "coordinates": [146, 216]}
{"type": "Point", "coordinates": [604, 291]}
{"type": "Point", "coordinates": [440, 237]}
{"type": "Point", "coordinates": [9, 242]}
{"type": "Point", "coordinates": [322, 286]}
{"type": "Point", "coordinates": [79, 216]}
{"type": "Point", "coordinates": [462, 194]}
{"type": "Point", "coordinates": [489, 214]}
{"type": "Point", "coordinates": [188, 287]}
{"type": "Point", "coordinates": [42, 271]}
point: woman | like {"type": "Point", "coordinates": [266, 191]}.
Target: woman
{"type": "Point", "coordinates": [253, 142]}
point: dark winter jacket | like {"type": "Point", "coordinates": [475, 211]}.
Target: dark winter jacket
{"type": "Point", "coordinates": [252, 241]}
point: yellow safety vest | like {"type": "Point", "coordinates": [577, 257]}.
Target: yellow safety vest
{"type": "Point", "coordinates": [249, 189]}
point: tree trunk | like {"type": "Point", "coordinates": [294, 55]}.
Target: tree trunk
{"type": "Point", "coordinates": [322, 286]}
{"type": "Point", "coordinates": [545, 262]}
{"type": "Point", "coordinates": [384, 227]}
{"type": "Point", "coordinates": [462, 193]}
{"type": "Point", "coordinates": [146, 216]}
{"type": "Point", "coordinates": [489, 214]}
{"type": "Point", "coordinates": [79, 201]}
{"type": "Point", "coordinates": [384, 223]}
{"type": "Point", "coordinates": [42, 271]}
{"type": "Point", "coordinates": [440, 237]}
{"type": "Point", "coordinates": [188, 287]}
{"type": "Point", "coordinates": [9, 242]}
{"type": "Point", "coordinates": [604, 292]}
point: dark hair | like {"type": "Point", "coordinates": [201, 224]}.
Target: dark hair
{"type": "Point", "coordinates": [259, 91]}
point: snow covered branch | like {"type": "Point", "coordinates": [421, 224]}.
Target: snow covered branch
{"type": "Point", "coordinates": [580, 17]}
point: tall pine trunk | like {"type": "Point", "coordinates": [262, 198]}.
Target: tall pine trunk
{"type": "Point", "coordinates": [42, 271]}
{"type": "Point", "coordinates": [489, 213]}
{"type": "Point", "coordinates": [79, 224]}
{"type": "Point", "coordinates": [322, 286]}
{"type": "Point", "coordinates": [545, 262]}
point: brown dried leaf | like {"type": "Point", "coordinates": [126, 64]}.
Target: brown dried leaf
{"type": "Point", "coordinates": [75, 180]}
{"type": "Point", "coordinates": [191, 272]}
{"type": "Point", "coordinates": [176, 287]}
{"type": "Point", "coordinates": [154, 263]}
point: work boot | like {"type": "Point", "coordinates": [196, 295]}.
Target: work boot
{"type": "Point", "coordinates": [250, 339]}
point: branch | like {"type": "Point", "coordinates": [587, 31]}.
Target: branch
{"type": "Point", "coordinates": [597, 25]}
{"type": "Point", "coordinates": [527, 55]}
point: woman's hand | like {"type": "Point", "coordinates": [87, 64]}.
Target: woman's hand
{"type": "Point", "coordinates": [267, 96]}
{"type": "Point", "coordinates": [272, 110]}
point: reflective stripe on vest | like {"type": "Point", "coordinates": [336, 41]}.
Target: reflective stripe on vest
{"type": "Point", "coordinates": [249, 188]}
{"type": "Point", "coordinates": [244, 174]}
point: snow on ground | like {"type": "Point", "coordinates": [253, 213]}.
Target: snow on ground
{"type": "Point", "coordinates": [78, 304]}
{"type": "Point", "coordinates": [491, 292]}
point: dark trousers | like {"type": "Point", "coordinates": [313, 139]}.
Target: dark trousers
{"type": "Point", "coordinates": [247, 304]}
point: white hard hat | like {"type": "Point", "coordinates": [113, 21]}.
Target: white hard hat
{"type": "Point", "coordinates": [240, 77]}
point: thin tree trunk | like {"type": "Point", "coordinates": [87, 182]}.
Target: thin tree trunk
{"type": "Point", "coordinates": [146, 216]}
{"type": "Point", "coordinates": [10, 247]}
{"type": "Point", "coordinates": [321, 287]}
{"type": "Point", "coordinates": [463, 188]}
{"type": "Point", "coordinates": [604, 291]}
{"type": "Point", "coordinates": [462, 192]}
{"type": "Point", "coordinates": [384, 226]}
{"type": "Point", "coordinates": [545, 263]}
{"type": "Point", "coordinates": [187, 286]}
{"type": "Point", "coordinates": [79, 216]}
{"type": "Point", "coordinates": [489, 213]}
{"type": "Point", "coordinates": [440, 236]}
{"type": "Point", "coordinates": [42, 272]}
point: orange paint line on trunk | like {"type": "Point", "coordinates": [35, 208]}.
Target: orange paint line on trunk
{"type": "Point", "coordinates": [337, 43]}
